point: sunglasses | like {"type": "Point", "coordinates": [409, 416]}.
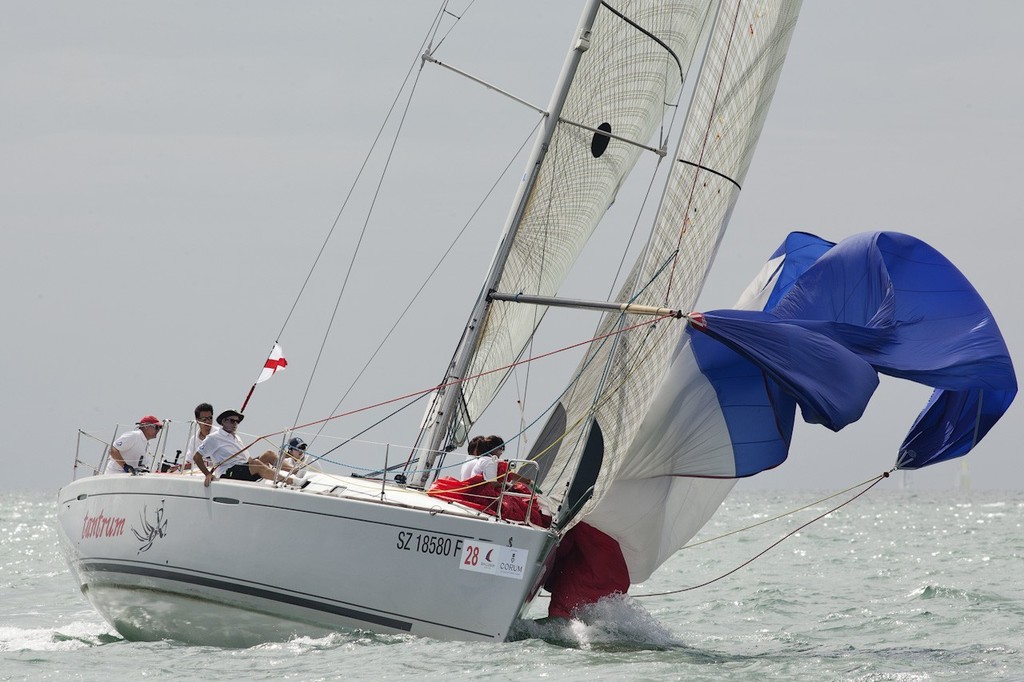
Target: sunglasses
{"type": "Point", "coordinates": [232, 420]}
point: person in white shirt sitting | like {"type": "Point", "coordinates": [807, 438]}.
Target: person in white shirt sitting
{"type": "Point", "coordinates": [224, 451]}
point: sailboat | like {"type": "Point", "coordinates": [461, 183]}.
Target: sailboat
{"type": "Point", "coordinates": [665, 411]}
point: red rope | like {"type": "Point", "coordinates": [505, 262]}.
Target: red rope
{"type": "Point", "coordinates": [452, 383]}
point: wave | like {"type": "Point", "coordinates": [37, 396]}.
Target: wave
{"type": "Point", "coordinates": [69, 637]}
{"type": "Point", "coordinates": [615, 623]}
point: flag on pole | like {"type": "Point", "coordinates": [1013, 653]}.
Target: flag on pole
{"type": "Point", "coordinates": [275, 362]}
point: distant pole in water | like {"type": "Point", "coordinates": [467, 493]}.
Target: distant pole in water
{"type": "Point", "coordinates": [964, 480]}
{"type": "Point", "coordinates": [905, 480]}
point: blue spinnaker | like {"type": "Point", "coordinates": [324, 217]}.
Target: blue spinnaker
{"type": "Point", "coordinates": [837, 314]}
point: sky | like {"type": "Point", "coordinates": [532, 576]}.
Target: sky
{"type": "Point", "coordinates": [169, 172]}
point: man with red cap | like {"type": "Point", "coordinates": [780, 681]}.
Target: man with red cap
{"type": "Point", "coordinates": [131, 450]}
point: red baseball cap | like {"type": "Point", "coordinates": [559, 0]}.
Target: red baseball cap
{"type": "Point", "coordinates": [150, 419]}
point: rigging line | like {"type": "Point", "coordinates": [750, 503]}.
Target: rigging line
{"type": "Point", "coordinates": [352, 188]}
{"type": "Point", "coordinates": [315, 459]}
{"type": "Point", "coordinates": [95, 468]}
{"type": "Point", "coordinates": [775, 544]}
{"type": "Point", "coordinates": [590, 412]}
{"type": "Point", "coordinates": [359, 241]}
{"type": "Point", "coordinates": [538, 312]}
{"type": "Point", "coordinates": [588, 360]}
{"type": "Point", "coordinates": [780, 516]}
{"type": "Point", "coordinates": [448, 384]}
{"type": "Point", "coordinates": [636, 223]}
{"type": "Point", "coordinates": [601, 395]}
{"type": "Point", "coordinates": [630, 365]}
{"type": "Point", "coordinates": [375, 424]}
{"type": "Point", "coordinates": [659, 41]}
{"type": "Point", "coordinates": [457, 17]}
{"type": "Point", "coordinates": [597, 401]}
{"type": "Point", "coordinates": [429, 57]}
{"type": "Point", "coordinates": [602, 398]}
{"type": "Point", "coordinates": [632, 234]}
{"type": "Point", "coordinates": [434, 271]}
{"type": "Point", "coordinates": [95, 438]}
{"type": "Point", "coordinates": [521, 393]}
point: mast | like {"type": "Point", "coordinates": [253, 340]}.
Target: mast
{"type": "Point", "coordinates": [445, 402]}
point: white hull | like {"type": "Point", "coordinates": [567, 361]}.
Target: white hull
{"type": "Point", "coordinates": [162, 557]}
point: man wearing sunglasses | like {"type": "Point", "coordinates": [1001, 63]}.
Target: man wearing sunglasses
{"type": "Point", "coordinates": [224, 450]}
{"type": "Point", "coordinates": [130, 451]}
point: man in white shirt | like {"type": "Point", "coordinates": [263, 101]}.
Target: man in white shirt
{"type": "Point", "coordinates": [223, 449]}
{"type": "Point", "coordinates": [130, 451]}
{"type": "Point", "coordinates": [204, 422]}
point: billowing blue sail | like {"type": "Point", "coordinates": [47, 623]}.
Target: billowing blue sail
{"type": "Point", "coordinates": [830, 383]}
{"type": "Point", "coordinates": [811, 332]}
{"type": "Point", "coordinates": [834, 316]}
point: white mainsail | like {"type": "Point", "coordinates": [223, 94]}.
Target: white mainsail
{"type": "Point", "coordinates": [638, 493]}
{"type": "Point", "coordinates": [634, 58]}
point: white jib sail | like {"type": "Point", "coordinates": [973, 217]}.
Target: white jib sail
{"type": "Point", "coordinates": [640, 496]}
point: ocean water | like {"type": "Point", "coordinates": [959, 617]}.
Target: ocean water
{"type": "Point", "coordinates": [898, 585]}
